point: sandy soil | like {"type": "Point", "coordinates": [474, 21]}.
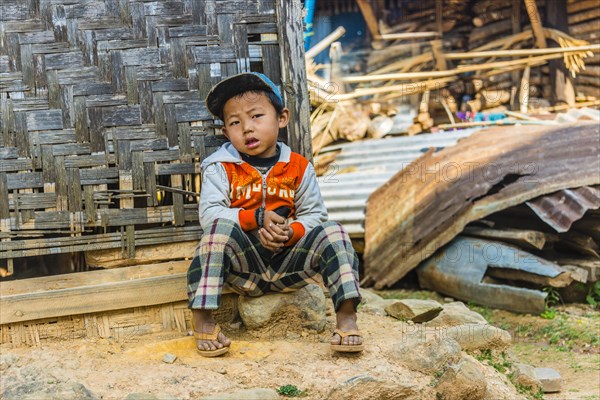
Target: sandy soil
{"type": "Point", "coordinates": [113, 369]}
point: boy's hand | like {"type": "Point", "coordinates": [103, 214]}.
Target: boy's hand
{"type": "Point", "coordinates": [275, 231]}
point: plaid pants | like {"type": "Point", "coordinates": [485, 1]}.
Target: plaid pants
{"type": "Point", "coordinates": [226, 254]}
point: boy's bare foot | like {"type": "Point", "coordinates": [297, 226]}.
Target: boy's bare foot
{"type": "Point", "coordinates": [346, 321]}
{"type": "Point", "coordinates": [204, 323]}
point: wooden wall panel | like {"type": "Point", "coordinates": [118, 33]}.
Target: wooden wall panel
{"type": "Point", "coordinates": [102, 118]}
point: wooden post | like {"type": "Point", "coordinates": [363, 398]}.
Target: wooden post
{"type": "Point", "coordinates": [524, 92]}
{"type": "Point", "coordinates": [370, 18]}
{"type": "Point", "coordinates": [293, 74]}
{"type": "Point", "coordinates": [516, 28]}
{"type": "Point", "coordinates": [536, 23]}
{"type": "Point", "coordinates": [438, 55]}
{"type": "Point", "coordinates": [439, 20]}
{"type": "Point", "coordinates": [560, 80]}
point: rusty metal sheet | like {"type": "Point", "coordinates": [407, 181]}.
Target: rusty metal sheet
{"type": "Point", "coordinates": [430, 202]}
{"type": "Point", "coordinates": [561, 209]}
{"type": "Point", "coordinates": [459, 268]}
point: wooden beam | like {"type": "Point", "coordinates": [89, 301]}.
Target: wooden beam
{"type": "Point", "coordinates": [560, 78]}
{"type": "Point", "coordinates": [439, 17]}
{"type": "Point", "coordinates": [370, 18]}
{"type": "Point", "coordinates": [293, 74]}
{"type": "Point", "coordinates": [92, 291]}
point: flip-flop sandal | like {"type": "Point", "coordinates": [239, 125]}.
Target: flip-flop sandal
{"type": "Point", "coordinates": [209, 336]}
{"type": "Point", "coordinates": [347, 348]}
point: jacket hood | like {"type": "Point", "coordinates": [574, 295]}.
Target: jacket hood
{"type": "Point", "coordinates": [228, 153]}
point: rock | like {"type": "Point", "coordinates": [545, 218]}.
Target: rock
{"type": "Point", "coordinates": [550, 379]}
{"type": "Point", "coordinates": [365, 387]}
{"type": "Point", "coordinates": [525, 375]}
{"type": "Point", "coordinates": [426, 356]}
{"type": "Point", "coordinates": [414, 310]}
{"type": "Point", "coordinates": [148, 396]}
{"type": "Point", "coordinates": [369, 296]}
{"type": "Point", "coordinates": [7, 360]}
{"type": "Point", "coordinates": [169, 358]}
{"type": "Point", "coordinates": [377, 307]}
{"type": "Point", "coordinates": [463, 381]}
{"type": "Point", "coordinates": [374, 304]}
{"type": "Point", "coordinates": [479, 337]}
{"type": "Point", "coordinates": [456, 313]}
{"type": "Point", "coordinates": [246, 394]}
{"type": "Point", "coordinates": [307, 304]}
{"type": "Point", "coordinates": [40, 390]}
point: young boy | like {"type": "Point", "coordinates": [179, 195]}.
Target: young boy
{"type": "Point", "coordinates": [263, 218]}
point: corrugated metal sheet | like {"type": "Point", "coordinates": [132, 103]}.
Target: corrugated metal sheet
{"type": "Point", "coordinates": [515, 165]}
{"type": "Point", "coordinates": [559, 210]}
{"type": "Point", "coordinates": [373, 163]}
{"type": "Point", "coordinates": [562, 208]}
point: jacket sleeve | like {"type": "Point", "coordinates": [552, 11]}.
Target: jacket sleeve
{"type": "Point", "coordinates": [310, 209]}
{"type": "Point", "coordinates": [214, 197]}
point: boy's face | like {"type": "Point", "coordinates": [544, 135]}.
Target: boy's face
{"type": "Point", "coordinates": [252, 124]}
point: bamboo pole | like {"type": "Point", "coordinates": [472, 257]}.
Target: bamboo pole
{"type": "Point", "coordinates": [494, 123]}
{"type": "Point", "coordinates": [401, 89]}
{"type": "Point", "coordinates": [369, 16]}
{"type": "Point", "coordinates": [325, 43]}
{"type": "Point", "coordinates": [524, 92]}
{"type": "Point", "coordinates": [536, 23]}
{"type": "Point", "coordinates": [560, 107]}
{"type": "Point", "coordinates": [460, 69]}
{"type": "Point", "coordinates": [408, 35]}
{"type": "Point", "coordinates": [522, 53]}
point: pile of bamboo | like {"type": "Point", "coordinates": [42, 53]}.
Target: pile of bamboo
{"type": "Point", "coordinates": [421, 59]}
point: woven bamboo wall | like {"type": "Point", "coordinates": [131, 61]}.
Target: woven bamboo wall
{"type": "Point", "coordinates": [102, 118]}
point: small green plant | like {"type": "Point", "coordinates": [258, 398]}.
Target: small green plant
{"type": "Point", "coordinates": [553, 298]}
{"type": "Point", "coordinates": [290, 391]}
{"type": "Point", "coordinates": [502, 364]}
{"type": "Point", "coordinates": [593, 296]}
{"type": "Point", "coordinates": [528, 391]}
{"type": "Point", "coordinates": [549, 313]}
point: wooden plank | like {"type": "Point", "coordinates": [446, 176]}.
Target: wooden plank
{"type": "Point", "coordinates": [93, 291]}
{"type": "Point", "coordinates": [293, 68]}
{"type": "Point", "coordinates": [4, 209]}
{"type": "Point", "coordinates": [523, 238]}
{"type": "Point", "coordinates": [24, 180]}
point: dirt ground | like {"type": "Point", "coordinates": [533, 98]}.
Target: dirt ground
{"type": "Point", "coordinates": [113, 369]}
{"type": "Point", "coordinates": [569, 342]}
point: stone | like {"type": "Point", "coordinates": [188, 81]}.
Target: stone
{"type": "Point", "coordinates": [374, 304]}
{"type": "Point", "coordinates": [246, 394]}
{"type": "Point", "coordinates": [462, 381]}
{"type": "Point", "coordinates": [426, 356]}
{"type": "Point", "coordinates": [7, 360]}
{"type": "Point", "coordinates": [148, 396]}
{"type": "Point", "coordinates": [414, 309]}
{"type": "Point", "coordinates": [524, 374]}
{"type": "Point", "coordinates": [377, 307]}
{"type": "Point", "coordinates": [365, 387]}
{"type": "Point", "coordinates": [308, 305]}
{"type": "Point", "coordinates": [40, 390]}
{"type": "Point", "coordinates": [456, 313]}
{"type": "Point", "coordinates": [369, 296]}
{"type": "Point", "coordinates": [479, 337]}
{"type": "Point", "coordinates": [550, 379]}
{"type": "Point", "coordinates": [169, 358]}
